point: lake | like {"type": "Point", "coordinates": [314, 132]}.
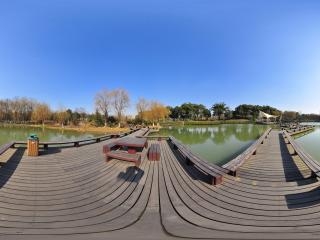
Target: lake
{"type": "Point", "coordinates": [21, 133]}
{"type": "Point", "coordinates": [217, 143]}
{"type": "Point", "coordinates": [311, 142]}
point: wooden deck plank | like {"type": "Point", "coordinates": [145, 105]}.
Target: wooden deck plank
{"type": "Point", "coordinates": [70, 193]}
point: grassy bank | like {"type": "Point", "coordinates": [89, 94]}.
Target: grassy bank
{"type": "Point", "coordinates": [83, 129]}
{"type": "Point", "coordinates": [91, 129]}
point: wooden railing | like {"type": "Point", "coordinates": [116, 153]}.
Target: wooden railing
{"type": "Point", "coordinates": [298, 130]}
{"type": "Point", "coordinates": [74, 143]}
{"type": "Point", "coordinates": [305, 157]}
{"type": "Point", "coordinates": [235, 163]}
{"type": "Point", "coordinates": [214, 172]}
{"type": "Point", "coordinates": [5, 147]}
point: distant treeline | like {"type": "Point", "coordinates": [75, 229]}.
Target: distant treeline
{"type": "Point", "coordinates": [219, 111]}
{"type": "Point", "coordinates": [26, 110]}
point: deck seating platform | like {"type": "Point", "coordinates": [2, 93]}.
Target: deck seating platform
{"type": "Point", "coordinates": [125, 156]}
{"type": "Point", "coordinates": [72, 194]}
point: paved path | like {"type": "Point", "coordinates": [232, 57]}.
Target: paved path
{"type": "Point", "coordinates": [71, 193]}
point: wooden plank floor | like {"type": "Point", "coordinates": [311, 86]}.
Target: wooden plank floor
{"type": "Point", "coordinates": [72, 193]}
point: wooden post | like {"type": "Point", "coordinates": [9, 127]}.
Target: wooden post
{"type": "Point", "coordinates": [216, 180]}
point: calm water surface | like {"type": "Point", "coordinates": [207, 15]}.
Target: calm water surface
{"type": "Point", "coordinates": [311, 143]}
{"type": "Point", "coordinates": [11, 133]}
{"type": "Point", "coordinates": [219, 143]}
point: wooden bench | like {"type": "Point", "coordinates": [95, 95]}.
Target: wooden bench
{"type": "Point", "coordinates": [154, 152]}
{"type": "Point", "coordinates": [214, 172]}
{"type": "Point", "coordinates": [5, 147]}
{"type": "Point", "coordinates": [109, 147]}
{"type": "Point", "coordinates": [123, 155]}
{"type": "Point", "coordinates": [235, 163]}
{"type": "Point", "coordinates": [312, 164]}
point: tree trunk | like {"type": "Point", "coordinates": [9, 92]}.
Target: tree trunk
{"type": "Point", "coordinates": [105, 119]}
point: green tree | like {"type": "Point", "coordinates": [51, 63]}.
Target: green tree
{"type": "Point", "coordinates": [251, 112]}
{"type": "Point", "coordinates": [98, 119]}
{"type": "Point", "coordinates": [219, 109]}
{"type": "Point", "coordinates": [175, 112]}
{"type": "Point", "coordinates": [206, 113]}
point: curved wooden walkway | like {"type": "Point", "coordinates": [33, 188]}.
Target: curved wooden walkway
{"type": "Point", "coordinates": [72, 193]}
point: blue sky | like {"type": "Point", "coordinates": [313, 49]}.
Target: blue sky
{"type": "Point", "coordinates": [203, 51]}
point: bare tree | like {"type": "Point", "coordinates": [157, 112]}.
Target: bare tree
{"type": "Point", "coordinates": [120, 100]}
{"type": "Point", "coordinates": [103, 103]}
{"type": "Point", "coordinates": [15, 109]}
{"type": "Point", "coordinates": [142, 106]}
{"type": "Point", "coordinates": [5, 113]}
{"type": "Point", "coordinates": [62, 115]}
{"type": "Point", "coordinates": [41, 113]}
{"type": "Point", "coordinates": [18, 110]}
{"type": "Point", "coordinates": [27, 106]}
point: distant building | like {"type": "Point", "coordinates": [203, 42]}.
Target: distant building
{"type": "Point", "coordinates": [266, 118]}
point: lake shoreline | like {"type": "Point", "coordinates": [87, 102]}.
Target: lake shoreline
{"type": "Point", "coordinates": [81, 129]}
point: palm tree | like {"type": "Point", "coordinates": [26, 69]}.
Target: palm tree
{"type": "Point", "coordinates": [218, 109]}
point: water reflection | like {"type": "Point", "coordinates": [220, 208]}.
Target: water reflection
{"type": "Point", "coordinates": [12, 133]}
{"type": "Point", "coordinates": [310, 143]}
{"type": "Point", "coordinates": [219, 143]}
{"type": "Point", "coordinates": [218, 134]}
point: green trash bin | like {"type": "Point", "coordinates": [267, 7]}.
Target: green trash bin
{"type": "Point", "coordinates": [33, 145]}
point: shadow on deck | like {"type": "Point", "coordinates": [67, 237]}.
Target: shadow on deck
{"type": "Point", "coordinates": [304, 199]}
{"type": "Point", "coordinates": [291, 170]}
{"type": "Point", "coordinates": [132, 174]}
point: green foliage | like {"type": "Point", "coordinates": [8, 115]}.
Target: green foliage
{"type": "Point", "coordinates": [190, 111]}
{"type": "Point", "coordinates": [98, 119]}
{"type": "Point", "coordinates": [309, 118]}
{"type": "Point", "coordinates": [219, 109]}
{"type": "Point", "coordinates": [251, 112]}
{"type": "Point", "coordinates": [112, 121]}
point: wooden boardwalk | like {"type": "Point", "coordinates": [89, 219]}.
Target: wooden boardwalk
{"type": "Point", "coordinates": [72, 193]}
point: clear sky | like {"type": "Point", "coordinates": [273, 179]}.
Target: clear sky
{"type": "Point", "coordinates": [203, 51]}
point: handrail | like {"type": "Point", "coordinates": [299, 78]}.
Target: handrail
{"type": "Point", "coordinates": [305, 157]}
{"type": "Point", "coordinates": [5, 147]}
{"type": "Point", "coordinates": [235, 163]}
{"type": "Point", "coordinates": [214, 172]}
{"type": "Point", "coordinates": [76, 143]}
{"type": "Point", "coordinates": [295, 131]}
